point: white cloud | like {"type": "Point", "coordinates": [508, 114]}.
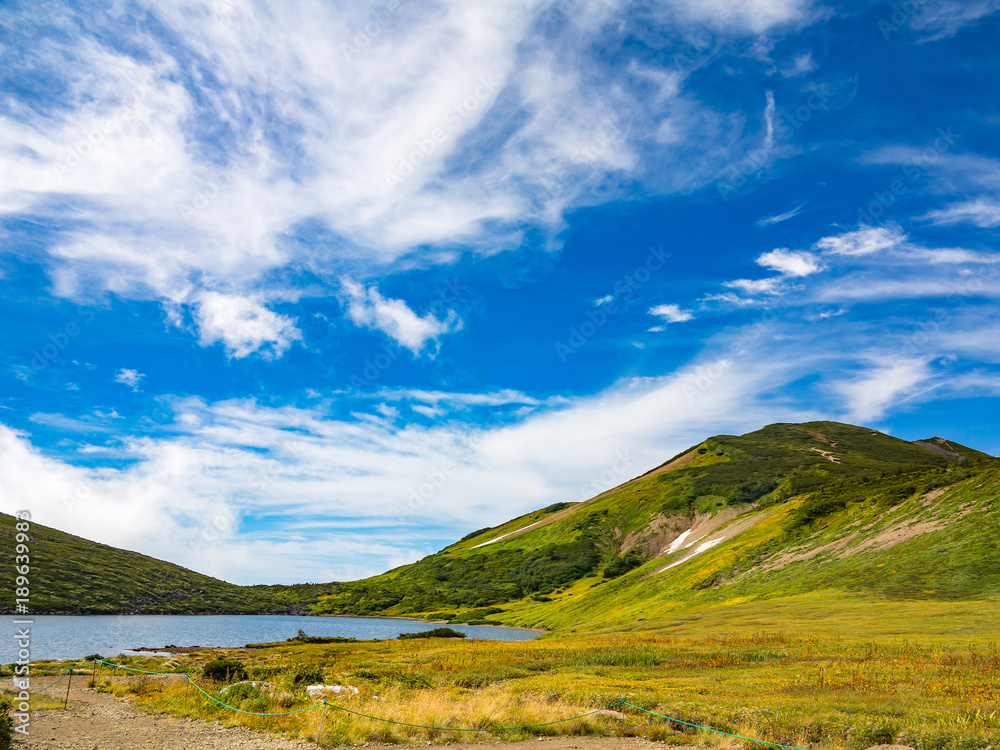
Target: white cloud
{"type": "Point", "coordinates": [185, 489]}
{"type": "Point", "coordinates": [885, 383]}
{"type": "Point", "coordinates": [802, 65]}
{"type": "Point", "coordinates": [182, 496]}
{"type": "Point", "coordinates": [368, 308]}
{"type": "Point", "coordinates": [980, 212]}
{"type": "Point", "coordinates": [130, 378]}
{"type": "Point", "coordinates": [755, 286]}
{"type": "Point", "coordinates": [671, 313]}
{"type": "Point", "coordinates": [790, 263]}
{"type": "Point", "coordinates": [604, 300]}
{"type": "Point", "coordinates": [181, 184]}
{"type": "Point", "coordinates": [863, 241]}
{"type": "Point", "coordinates": [945, 18]}
{"type": "Point", "coordinates": [385, 410]}
{"type": "Point", "coordinates": [752, 15]}
{"type": "Point", "coordinates": [497, 398]}
{"type": "Point", "coordinates": [243, 325]}
{"type": "Point", "coordinates": [768, 221]}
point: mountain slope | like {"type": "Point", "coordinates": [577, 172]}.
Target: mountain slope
{"type": "Point", "coordinates": [790, 508]}
{"type": "Point", "coordinates": [725, 487]}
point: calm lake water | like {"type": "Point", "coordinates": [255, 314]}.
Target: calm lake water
{"type": "Point", "coordinates": [70, 637]}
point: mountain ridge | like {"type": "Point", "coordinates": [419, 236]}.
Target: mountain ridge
{"type": "Point", "coordinates": [525, 571]}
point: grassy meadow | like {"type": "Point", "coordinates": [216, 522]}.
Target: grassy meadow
{"type": "Point", "coordinates": [819, 671]}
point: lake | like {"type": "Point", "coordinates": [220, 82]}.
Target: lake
{"type": "Point", "coordinates": [72, 636]}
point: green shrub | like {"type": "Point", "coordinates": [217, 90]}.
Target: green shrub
{"type": "Point", "coordinates": [441, 616]}
{"type": "Point", "coordinates": [622, 565]}
{"type": "Point", "coordinates": [6, 722]}
{"type": "Point", "coordinates": [876, 733]}
{"type": "Point", "coordinates": [435, 633]}
{"type": "Point", "coordinates": [225, 670]}
{"type": "Point", "coordinates": [259, 705]}
{"type": "Point", "coordinates": [304, 675]}
{"type": "Point", "coordinates": [236, 694]}
{"type": "Point", "coordinates": [302, 637]}
{"type": "Point", "coordinates": [477, 532]}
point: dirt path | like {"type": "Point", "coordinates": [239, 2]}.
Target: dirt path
{"type": "Point", "coordinates": [98, 721]}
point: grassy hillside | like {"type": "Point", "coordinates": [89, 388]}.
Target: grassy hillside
{"type": "Point", "coordinates": [790, 508]}
{"type": "Point", "coordinates": [71, 575]}
{"type": "Point", "coordinates": [821, 586]}
{"type": "Point", "coordinates": [776, 487]}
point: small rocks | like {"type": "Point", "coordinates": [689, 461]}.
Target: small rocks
{"type": "Point", "coordinates": [318, 691]}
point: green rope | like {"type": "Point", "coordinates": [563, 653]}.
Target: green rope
{"type": "Point", "coordinates": [15, 692]}
{"type": "Point", "coordinates": [207, 694]}
{"type": "Point", "coordinates": [254, 713]}
{"type": "Point", "coordinates": [143, 671]}
{"type": "Point", "coordinates": [707, 729]}
{"type": "Point", "coordinates": [459, 729]}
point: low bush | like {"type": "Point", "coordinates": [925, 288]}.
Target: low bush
{"type": "Point", "coordinates": [434, 633]}
{"type": "Point", "coordinates": [225, 670]}
{"type": "Point", "coordinates": [622, 565]}
{"type": "Point", "coordinates": [6, 722]}
{"type": "Point", "coordinates": [304, 675]}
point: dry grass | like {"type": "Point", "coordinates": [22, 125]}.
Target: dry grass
{"type": "Point", "coordinates": [804, 690]}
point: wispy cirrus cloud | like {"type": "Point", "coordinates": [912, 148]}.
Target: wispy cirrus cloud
{"type": "Point", "coordinates": [862, 241]}
{"type": "Point", "coordinates": [980, 212]}
{"type": "Point", "coordinates": [170, 185]}
{"type": "Point", "coordinates": [778, 218]}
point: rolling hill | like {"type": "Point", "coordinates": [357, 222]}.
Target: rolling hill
{"type": "Point", "coordinates": [786, 511]}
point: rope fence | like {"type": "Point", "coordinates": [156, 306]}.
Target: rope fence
{"type": "Point", "coordinates": [32, 692]}
{"type": "Point", "coordinates": [322, 705]}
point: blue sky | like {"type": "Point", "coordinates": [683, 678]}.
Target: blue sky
{"type": "Point", "coordinates": [303, 291]}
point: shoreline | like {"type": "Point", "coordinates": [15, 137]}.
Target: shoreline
{"type": "Point", "coordinates": [408, 618]}
{"type": "Point", "coordinates": [540, 631]}
{"type": "Point", "coordinates": [175, 649]}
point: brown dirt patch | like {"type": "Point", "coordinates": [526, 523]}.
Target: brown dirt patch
{"type": "Point", "coordinates": [826, 454]}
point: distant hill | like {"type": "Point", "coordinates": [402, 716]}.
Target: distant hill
{"type": "Point", "coordinates": [72, 575]}
{"type": "Point", "coordinates": [788, 509]}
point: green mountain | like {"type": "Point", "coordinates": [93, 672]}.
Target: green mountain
{"type": "Point", "coordinates": [786, 510]}
{"type": "Point", "coordinates": [72, 575]}
{"type": "Point", "coordinates": [704, 525]}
